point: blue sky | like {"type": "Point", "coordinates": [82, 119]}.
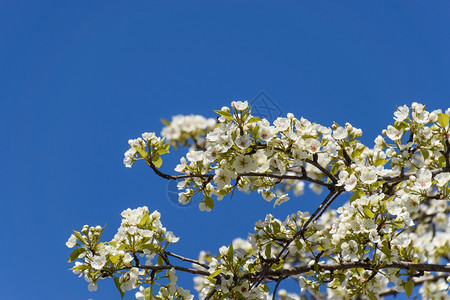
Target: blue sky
{"type": "Point", "coordinates": [79, 78]}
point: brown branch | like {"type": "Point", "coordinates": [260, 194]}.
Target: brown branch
{"type": "Point", "coordinates": [276, 287]}
{"type": "Point", "coordinates": [251, 174]}
{"type": "Point", "coordinates": [187, 259]}
{"type": "Point", "coordinates": [322, 169]}
{"type": "Point", "coordinates": [402, 177]}
{"type": "Point", "coordinates": [174, 177]}
{"type": "Point", "coordinates": [286, 176]}
{"type": "Point", "coordinates": [168, 267]}
{"type": "Point", "coordinates": [317, 213]}
{"type": "Point", "coordinates": [352, 265]}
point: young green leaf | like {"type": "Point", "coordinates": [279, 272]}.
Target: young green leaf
{"type": "Point", "coordinates": [209, 202]}
{"type": "Point", "coordinates": [368, 213]}
{"type": "Point", "coordinates": [224, 114]}
{"type": "Point", "coordinates": [157, 161]}
{"type": "Point", "coordinates": [76, 253]}
{"type": "Point", "coordinates": [409, 287]}
{"type": "Point", "coordinates": [443, 120]}
{"type": "Point", "coordinates": [253, 120]}
{"type": "Point", "coordinates": [79, 237]}
{"type": "Point", "coordinates": [117, 282]}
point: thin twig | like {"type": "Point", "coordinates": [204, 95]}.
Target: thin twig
{"type": "Point", "coordinates": [187, 259]}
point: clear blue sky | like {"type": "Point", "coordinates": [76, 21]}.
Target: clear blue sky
{"type": "Point", "coordinates": [79, 78]}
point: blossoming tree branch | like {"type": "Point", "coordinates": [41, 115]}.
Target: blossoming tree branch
{"type": "Point", "coordinates": [391, 236]}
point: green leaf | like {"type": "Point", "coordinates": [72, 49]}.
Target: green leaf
{"type": "Point", "coordinates": [209, 202]}
{"type": "Point", "coordinates": [161, 151]}
{"type": "Point", "coordinates": [80, 268]}
{"type": "Point", "coordinates": [276, 227]}
{"type": "Point", "coordinates": [264, 288]}
{"type": "Point", "coordinates": [443, 120]}
{"type": "Point", "coordinates": [141, 151]}
{"type": "Point", "coordinates": [79, 237]}
{"type": "Point", "coordinates": [115, 259]}
{"type": "Point", "coordinates": [157, 161]}
{"type": "Point", "coordinates": [356, 195]}
{"type": "Point", "coordinates": [268, 251]}
{"type": "Point", "coordinates": [368, 213]}
{"type": "Point", "coordinates": [253, 120]}
{"type": "Point", "coordinates": [165, 122]}
{"type": "Point", "coordinates": [160, 260]}
{"type": "Point", "coordinates": [441, 161]}
{"type": "Point", "coordinates": [380, 162]}
{"type": "Point", "coordinates": [117, 282]}
{"type": "Point", "coordinates": [357, 152]}
{"type": "Point", "coordinates": [144, 221]}
{"type": "Point", "coordinates": [335, 168]}
{"type": "Point", "coordinates": [123, 247]}
{"type": "Point", "coordinates": [278, 265]}
{"type": "Point", "coordinates": [425, 153]}
{"type": "Point", "coordinates": [409, 287]}
{"type": "Point", "coordinates": [215, 273]}
{"type": "Point", "coordinates": [316, 267]}
{"type": "Point", "coordinates": [76, 253]}
{"type": "Point", "coordinates": [224, 114]}
{"type": "Point", "coordinates": [230, 253]}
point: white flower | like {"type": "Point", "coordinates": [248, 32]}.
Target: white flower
{"type": "Point", "coordinates": [92, 287]}
{"type": "Point", "coordinates": [223, 177]}
{"type": "Point", "coordinates": [423, 180]}
{"type": "Point", "coordinates": [374, 237]}
{"type": "Point", "coordinates": [181, 166]}
{"type": "Point", "coordinates": [266, 132]}
{"type": "Point", "coordinates": [421, 117]}
{"type": "Point", "coordinates": [170, 237]}
{"type": "Point", "coordinates": [441, 178]}
{"type": "Point", "coordinates": [140, 295]}
{"type": "Point", "coordinates": [267, 195]}
{"type": "Point", "coordinates": [98, 262]}
{"type": "Point", "coordinates": [350, 183]}
{"type": "Point", "coordinates": [129, 279]}
{"type": "Point", "coordinates": [281, 199]}
{"type": "Point", "coordinates": [239, 105]}
{"type": "Point", "coordinates": [243, 141]}
{"type": "Point", "coordinates": [149, 136]}
{"type": "Point", "coordinates": [71, 242]}
{"type": "Point", "coordinates": [401, 113]}
{"type": "Point", "coordinates": [195, 156]}
{"type": "Point", "coordinates": [184, 293]}
{"type": "Point", "coordinates": [203, 207]}
{"type": "Point", "coordinates": [368, 176]}
{"type": "Point", "coordinates": [340, 133]}
{"type": "Point", "coordinates": [282, 123]}
{"type": "Point", "coordinates": [211, 154]}
{"type": "Point", "coordinates": [393, 133]}
{"type": "Point", "coordinates": [243, 163]}
{"type": "Point", "coordinates": [312, 145]}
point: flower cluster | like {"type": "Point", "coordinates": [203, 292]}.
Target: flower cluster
{"type": "Point", "coordinates": [391, 235]}
{"type": "Point", "coordinates": [140, 237]}
{"type": "Point", "coordinates": [148, 148]}
{"type": "Point", "coordinates": [185, 129]}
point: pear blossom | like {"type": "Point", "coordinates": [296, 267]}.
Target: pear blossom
{"type": "Point", "coordinates": [393, 133]}
{"type": "Point", "coordinates": [98, 262]}
{"type": "Point", "coordinates": [243, 163]}
{"type": "Point", "coordinates": [340, 133]}
{"type": "Point", "coordinates": [71, 242]}
{"type": "Point", "coordinates": [442, 178]}
{"type": "Point", "coordinates": [239, 105]}
{"type": "Point", "coordinates": [401, 113]}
